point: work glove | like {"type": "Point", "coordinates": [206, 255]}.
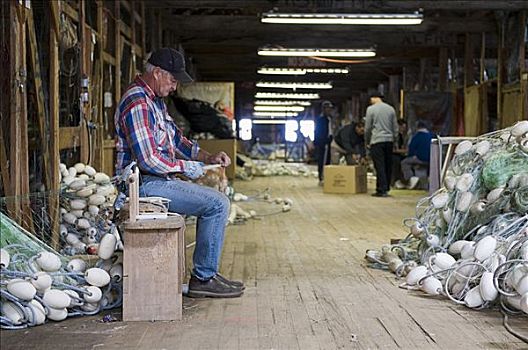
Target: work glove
{"type": "Point", "coordinates": [193, 170]}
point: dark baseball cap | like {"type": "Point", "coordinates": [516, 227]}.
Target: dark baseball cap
{"type": "Point", "coordinates": [376, 94]}
{"type": "Point", "coordinates": [172, 61]}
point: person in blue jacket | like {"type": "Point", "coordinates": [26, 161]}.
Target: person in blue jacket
{"type": "Point", "coordinates": [323, 138]}
{"type": "Point", "coordinates": [418, 155]}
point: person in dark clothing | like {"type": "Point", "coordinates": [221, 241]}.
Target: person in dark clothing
{"type": "Point", "coordinates": [400, 151]}
{"type": "Point", "coordinates": [350, 142]}
{"type": "Point", "coordinates": [381, 129]}
{"type": "Point", "coordinates": [419, 155]}
{"type": "Point", "coordinates": [323, 138]}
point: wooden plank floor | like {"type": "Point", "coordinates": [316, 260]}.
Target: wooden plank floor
{"type": "Point", "coordinates": [307, 288]}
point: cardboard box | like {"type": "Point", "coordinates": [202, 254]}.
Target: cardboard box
{"type": "Point", "coordinates": [229, 146]}
{"type": "Point", "coordinates": [345, 179]}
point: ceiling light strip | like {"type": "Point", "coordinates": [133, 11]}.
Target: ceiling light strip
{"type": "Point", "coordinates": [350, 19]}
{"type": "Point", "coordinates": [282, 103]}
{"type": "Point", "coordinates": [284, 71]}
{"type": "Point", "coordinates": [328, 70]}
{"type": "Point", "coordinates": [275, 114]}
{"type": "Point", "coordinates": [292, 85]}
{"type": "Point", "coordinates": [260, 108]}
{"type": "Point", "coordinates": [301, 71]}
{"type": "Point", "coordinates": [294, 96]}
{"type": "Point", "coordinates": [370, 52]}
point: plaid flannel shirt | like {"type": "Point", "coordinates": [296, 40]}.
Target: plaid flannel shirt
{"type": "Point", "coordinates": [146, 133]}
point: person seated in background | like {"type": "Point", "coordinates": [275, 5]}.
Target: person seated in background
{"type": "Point", "coordinates": [400, 151]}
{"type": "Point", "coordinates": [418, 155]}
{"type": "Point", "coordinates": [350, 142]}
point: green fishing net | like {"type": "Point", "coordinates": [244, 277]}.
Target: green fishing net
{"type": "Point", "coordinates": [499, 168]}
{"type": "Point", "coordinates": [16, 240]}
{"type": "Point", "coordinates": [520, 200]}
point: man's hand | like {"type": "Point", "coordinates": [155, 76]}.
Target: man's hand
{"type": "Point", "coordinates": [220, 158]}
{"type": "Point", "coordinates": [193, 170]}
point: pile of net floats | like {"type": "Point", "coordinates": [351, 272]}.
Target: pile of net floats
{"type": "Point", "coordinates": [469, 240]}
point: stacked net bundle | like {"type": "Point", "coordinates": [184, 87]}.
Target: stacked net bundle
{"type": "Point", "coordinates": [37, 284]}
{"type": "Point", "coordinates": [469, 240]}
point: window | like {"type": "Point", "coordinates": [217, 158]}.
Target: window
{"type": "Point", "coordinates": [290, 131]}
{"type": "Point", "coordinates": [245, 126]}
{"type": "Point", "coordinates": [308, 128]}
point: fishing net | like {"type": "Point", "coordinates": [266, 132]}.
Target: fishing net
{"type": "Point", "coordinates": [499, 168]}
{"type": "Point", "coordinates": [34, 213]}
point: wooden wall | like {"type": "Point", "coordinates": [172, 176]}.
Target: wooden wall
{"type": "Point", "coordinates": [44, 119]}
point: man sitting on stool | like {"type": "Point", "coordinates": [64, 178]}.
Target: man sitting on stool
{"type": "Point", "coordinates": [419, 155]}
{"type": "Point", "coordinates": [350, 142]}
{"type": "Point", "coordinates": [147, 134]}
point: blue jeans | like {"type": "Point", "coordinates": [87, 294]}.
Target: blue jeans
{"type": "Point", "coordinates": [208, 205]}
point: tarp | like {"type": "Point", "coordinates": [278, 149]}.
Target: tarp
{"type": "Point", "coordinates": [204, 118]}
{"type": "Point", "coordinates": [434, 107]}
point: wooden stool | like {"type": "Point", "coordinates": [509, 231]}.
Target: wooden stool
{"type": "Point", "coordinates": [153, 265]}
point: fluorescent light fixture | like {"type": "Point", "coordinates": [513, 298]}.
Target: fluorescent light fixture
{"type": "Point", "coordinates": [268, 121]}
{"type": "Point", "coordinates": [327, 70]}
{"type": "Point", "coordinates": [317, 52]}
{"type": "Point", "coordinates": [292, 85]}
{"type": "Point", "coordinates": [282, 103]}
{"type": "Point", "coordinates": [275, 114]}
{"type": "Point", "coordinates": [284, 71]}
{"type": "Point", "coordinates": [343, 18]}
{"type": "Point", "coordinates": [292, 95]}
{"type": "Point", "coordinates": [300, 71]}
{"type": "Point", "coordinates": [278, 108]}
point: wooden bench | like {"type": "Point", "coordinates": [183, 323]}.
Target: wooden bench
{"type": "Point", "coordinates": [153, 264]}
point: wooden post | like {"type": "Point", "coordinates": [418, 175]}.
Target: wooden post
{"type": "Point", "coordinates": [442, 69]}
{"type": "Point", "coordinates": [500, 71]}
{"type": "Point", "coordinates": [423, 67]}
{"type": "Point", "coordinates": [133, 53]}
{"type": "Point", "coordinates": [41, 110]}
{"type": "Point", "coordinates": [143, 40]}
{"type": "Point", "coordinates": [54, 119]}
{"type": "Point", "coordinates": [522, 65]}
{"type": "Point", "coordinates": [18, 150]}
{"type": "Point", "coordinates": [482, 57]}
{"type": "Point", "coordinates": [468, 58]}
{"type": "Point", "coordinates": [159, 30]}
{"type": "Point", "coordinates": [4, 165]}
{"type": "Point", "coordinates": [394, 92]}
{"type": "Point", "coordinates": [117, 53]}
{"type": "Point", "coordinates": [84, 62]}
{"type": "Point", "coordinates": [14, 128]}
{"type": "Point", "coordinates": [98, 89]}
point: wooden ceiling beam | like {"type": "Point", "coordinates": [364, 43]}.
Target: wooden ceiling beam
{"type": "Point", "coordinates": [457, 5]}
{"type": "Point", "coordinates": [250, 26]}
{"type": "Point", "coordinates": [257, 6]}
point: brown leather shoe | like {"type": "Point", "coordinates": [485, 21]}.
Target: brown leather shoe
{"type": "Point", "coordinates": [236, 284]}
{"type": "Point", "coordinates": [212, 288]}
